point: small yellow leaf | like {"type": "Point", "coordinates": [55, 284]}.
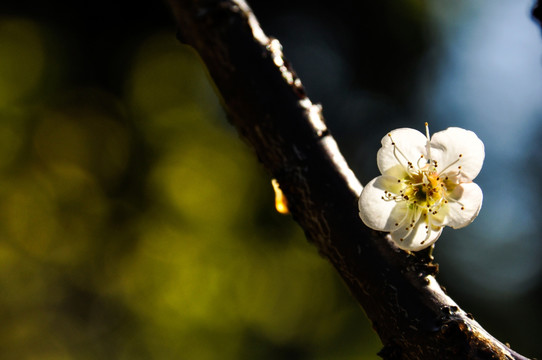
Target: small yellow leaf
{"type": "Point", "coordinates": [281, 204]}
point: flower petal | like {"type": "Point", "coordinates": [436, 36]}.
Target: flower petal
{"type": "Point", "coordinates": [376, 212]}
{"type": "Point", "coordinates": [410, 145]}
{"type": "Point", "coordinates": [458, 150]}
{"type": "Point", "coordinates": [463, 206]}
{"type": "Point", "coordinates": [420, 237]}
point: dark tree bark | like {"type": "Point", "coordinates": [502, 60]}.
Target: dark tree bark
{"type": "Point", "coordinates": [267, 104]}
{"type": "Point", "coordinates": [537, 11]}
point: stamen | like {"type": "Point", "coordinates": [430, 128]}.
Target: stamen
{"type": "Point", "coordinates": [420, 159]}
{"type": "Point", "coordinates": [429, 228]}
{"type": "Point", "coordinates": [388, 196]}
{"type": "Point", "coordinates": [452, 164]}
{"type": "Point", "coordinates": [415, 218]}
{"type": "Point", "coordinates": [458, 202]}
{"type": "Point", "coordinates": [407, 170]}
{"type": "Point", "coordinates": [400, 223]}
{"type": "Point", "coordinates": [436, 206]}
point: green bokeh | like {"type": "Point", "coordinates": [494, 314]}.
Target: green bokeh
{"type": "Point", "coordinates": [140, 227]}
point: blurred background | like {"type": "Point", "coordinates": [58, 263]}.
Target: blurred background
{"type": "Point", "coordinates": [135, 225]}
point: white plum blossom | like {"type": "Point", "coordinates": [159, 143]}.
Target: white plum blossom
{"type": "Point", "coordinates": [426, 184]}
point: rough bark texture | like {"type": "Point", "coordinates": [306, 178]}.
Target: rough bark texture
{"type": "Point", "coordinates": [266, 102]}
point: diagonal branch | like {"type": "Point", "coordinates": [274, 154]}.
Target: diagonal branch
{"type": "Point", "coordinates": [266, 102]}
{"type": "Point", "coordinates": [537, 12]}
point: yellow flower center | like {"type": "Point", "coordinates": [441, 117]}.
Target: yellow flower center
{"type": "Point", "coordinates": [423, 189]}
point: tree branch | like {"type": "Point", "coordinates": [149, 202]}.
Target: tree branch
{"type": "Point", "coordinates": [537, 12]}
{"type": "Point", "coordinates": [266, 102]}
